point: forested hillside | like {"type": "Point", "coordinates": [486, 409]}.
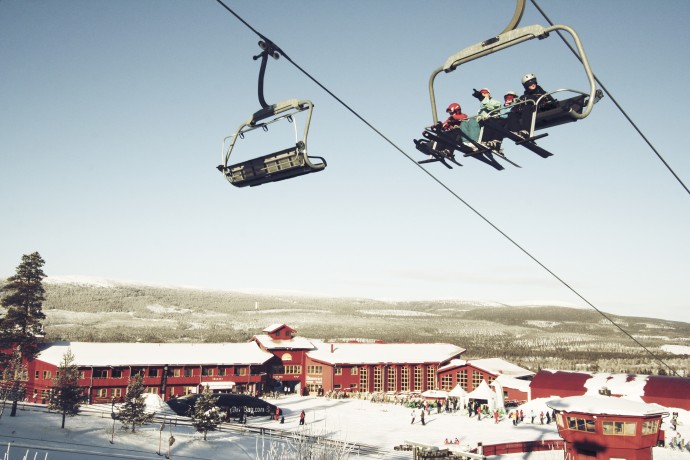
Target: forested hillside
{"type": "Point", "coordinates": [535, 337]}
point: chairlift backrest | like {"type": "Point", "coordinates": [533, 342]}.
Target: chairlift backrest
{"type": "Point", "coordinates": [284, 164]}
{"type": "Point", "coordinates": [506, 40]}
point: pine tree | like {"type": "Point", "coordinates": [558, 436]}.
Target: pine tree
{"type": "Point", "coordinates": [206, 416]}
{"type": "Point", "coordinates": [23, 298]}
{"type": "Point", "coordinates": [133, 410]}
{"type": "Point", "coordinates": [66, 394]}
{"type": "Point", "coordinates": [21, 328]}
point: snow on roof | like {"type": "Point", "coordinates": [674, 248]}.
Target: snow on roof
{"type": "Point", "coordinates": [275, 327]}
{"type": "Point", "coordinates": [507, 381]}
{"type": "Point", "coordinates": [498, 366]}
{"type": "Point", "coordinates": [141, 354]}
{"type": "Point", "coordinates": [376, 353]}
{"type": "Point", "coordinates": [295, 343]}
{"type": "Point", "coordinates": [453, 364]}
{"type": "Point", "coordinates": [627, 385]}
{"type": "Point", "coordinates": [605, 405]}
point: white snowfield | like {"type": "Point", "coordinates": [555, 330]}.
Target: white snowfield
{"type": "Point", "coordinates": [355, 421]}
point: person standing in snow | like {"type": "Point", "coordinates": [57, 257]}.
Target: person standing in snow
{"type": "Point", "coordinates": [301, 418]}
{"type": "Point", "coordinates": [421, 418]}
{"type": "Point", "coordinates": [413, 414]}
{"type": "Point", "coordinates": [532, 416]}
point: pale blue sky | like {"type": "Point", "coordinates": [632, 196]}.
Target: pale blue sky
{"type": "Point", "coordinates": [113, 115]}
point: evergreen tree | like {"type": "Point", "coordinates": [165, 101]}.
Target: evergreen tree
{"type": "Point", "coordinates": [205, 415]}
{"type": "Point", "coordinates": [21, 328]}
{"type": "Point", "coordinates": [23, 297]}
{"type": "Point", "coordinates": [133, 410]}
{"type": "Point", "coordinates": [66, 393]}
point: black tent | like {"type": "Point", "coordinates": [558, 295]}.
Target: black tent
{"type": "Point", "coordinates": [234, 405]}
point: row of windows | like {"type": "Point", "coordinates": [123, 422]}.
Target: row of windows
{"type": "Point", "coordinates": [118, 392]}
{"type": "Point", "coordinates": [610, 427]}
{"type": "Point", "coordinates": [176, 372]}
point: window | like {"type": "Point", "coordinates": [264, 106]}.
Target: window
{"type": "Point", "coordinates": [117, 373]}
{"type": "Point", "coordinates": [240, 371]}
{"type": "Point", "coordinates": [404, 379]}
{"type": "Point", "coordinates": [650, 426]}
{"type": "Point", "coordinates": [559, 420]}
{"type": "Point", "coordinates": [336, 386]}
{"type": "Point", "coordinates": [447, 382]}
{"type": "Point", "coordinates": [189, 390]}
{"type": "Point", "coordinates": [581, 424]}
{"type": "Point", "coordinates": [353, 385]}
{"type": "Point", "coordinates": [82, 375]}
{"type": "Point", "coordinates": [100, 374]}
{"type": "Point", "coordinates": [377, 379]}
{"type": "Point", "coordinates": [207, 371]}
{"type": "Point", "coordinates": [188, 372]}
{"type": "Point", "coordinates": [431, 378]}
{"type": "Point", "coordinates": [174, 372]}
{"type": "Point", "coordinates": [117, 392]}
{"type": "Point", "coordinates": [363, 379]}
{"type": "Point", "coordinates": [462, 379]}
{"type": "Point", "coordinates": [390, 386]}
{"type": "Point", "coordinates": [151, 390]}
{"type": "Point", "coordinates": [476, 379]}
{"type": "Point", "coordinates": [46, 375]}
{"type": "Point", "coordinates": [102, 393]}
{"type": "Point", "coordinates": [286, 357]}
{"type": "Point", "coordinates": [138, 371]}
{"type": "Point", "coordinates": [222, 372]}
{"type": "Point", "coordinates": [417, 378]}
{"type": "Point", "coordinates": [619, 428]}
{"type": "Point", "coordinates": [293, 369]}
{"type": "Point", "coordinates": [37, 374]}
{"type": "Point", "coordinates": [338, 370]}
{"type": "Point", "coordinates": [314, 369]}
{"type": "Point", "coordinates": [153, 372]}
{"type": "Point", "coordinates": [354, 370]}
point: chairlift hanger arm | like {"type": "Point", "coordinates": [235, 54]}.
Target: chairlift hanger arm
{"type": "Point", "coordinates": [506, 40]}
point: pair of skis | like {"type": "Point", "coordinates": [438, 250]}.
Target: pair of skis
{"type": "Point", "coordinates": [440, 145]}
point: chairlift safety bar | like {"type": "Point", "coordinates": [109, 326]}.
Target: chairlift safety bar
{"type": "Point", "coordinates": [506, 40]}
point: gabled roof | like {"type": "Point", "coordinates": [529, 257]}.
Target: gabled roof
{"type": "Point", "coordinates": [142, 354]}
{"type": "Point", "coordinates": [498, 366]}
{"type": "Point", "coordinates": [383, 353]}
{"type": "Point", "coordinates": [275, 327]}
{"type": "Point", "coordinates": [507, 381]}
{"type": "Point", "coordinates": [295, 343]}
{"type": "Point", "coordinates": [495, 366]}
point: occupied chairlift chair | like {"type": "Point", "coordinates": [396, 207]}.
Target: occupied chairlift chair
{"type": "Point", "coordinates": [567, 110]}
{"type": "Point", "coordinates": [284, 164]}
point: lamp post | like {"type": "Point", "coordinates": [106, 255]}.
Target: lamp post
{"type": "Point", "coordinates": [112, 415]}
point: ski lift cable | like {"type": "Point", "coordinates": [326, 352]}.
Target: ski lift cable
{"type": "Point", "coordinates": [618, 106]}
{"type": "Point", "coordinates": [470, 207]}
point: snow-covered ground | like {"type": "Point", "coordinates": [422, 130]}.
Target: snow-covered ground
{"type": "Point", "coordinates": [384, 425]}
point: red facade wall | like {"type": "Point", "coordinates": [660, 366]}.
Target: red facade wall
{"type": "Point", "coordinates": [549, 383]}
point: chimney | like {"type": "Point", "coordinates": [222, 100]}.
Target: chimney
{"type": "Point", "coordinates": [332, 348]}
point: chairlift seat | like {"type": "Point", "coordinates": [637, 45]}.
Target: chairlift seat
{"type": "Point", "coordinates": [277, 166]}
{"type": "Point", "coordinates": [561, 113]}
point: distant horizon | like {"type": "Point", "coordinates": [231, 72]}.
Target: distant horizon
{"type": "Point", "coordinates": [111, 282]}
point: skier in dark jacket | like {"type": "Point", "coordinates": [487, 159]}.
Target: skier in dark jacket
{"type": "Point", "coordinates": [520, 121]}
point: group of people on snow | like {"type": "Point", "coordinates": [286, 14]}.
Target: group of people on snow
{"type": "Point", "coordinates": [515, 114]}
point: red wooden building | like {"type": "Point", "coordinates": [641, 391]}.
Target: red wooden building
{"type": "Point", "coordinates": [514, 380]}
{"type": "Point", "coordinates": [378, 367]}
{"type": "Point", "coordinates": [659, 389]}
{"type": "Point", "coordinates": [605, 428]}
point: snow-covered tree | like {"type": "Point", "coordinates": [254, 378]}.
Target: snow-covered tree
{"type": "Point", "coordinates": [206, 416]}
{"type": "Point", "coordinates": [66, 393]}
{"type": "Point", "coordinates": [133, 410]}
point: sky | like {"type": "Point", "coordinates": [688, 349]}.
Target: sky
{"type": "Point", "coordinates": [114, 114]}
{"type": "Point", "coordinates": [384, 425]}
